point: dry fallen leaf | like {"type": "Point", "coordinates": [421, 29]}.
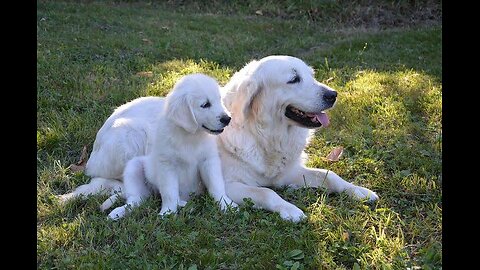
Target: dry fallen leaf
{"type": "Point", "coordinates": [145, 74]}
{"type": "Point", "coordinates": [80, 165]}
{"type": "Point", "coordinates": [146, 40]}
{"type": "Point", "coordinates": [259, 12]}
{"type": "Point", "coordinates": [76, 168]}
{"type": "Point", "coordinates": [345, 236]}
{"type": "Point", "coordinates": [335, 154]}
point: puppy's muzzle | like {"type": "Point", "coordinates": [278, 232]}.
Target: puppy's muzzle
{"type": "Point", "coordinates": [225, 119]}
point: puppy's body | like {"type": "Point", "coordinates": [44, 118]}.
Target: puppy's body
{"type": "Point", "coordinates": [160, 144]}
{"type": "Point", "coordinates": [183, 156]}
{"type": "Point", "coordinates": [127, 133]}
{"type": "Point", "coordinates": [177, 162]}
{"type": "Point", "coordinates": [173, 168]}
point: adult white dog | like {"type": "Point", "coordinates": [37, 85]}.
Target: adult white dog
{"type": "Point", "coordinates": [275, 105]}
{"type": "Point", "coordinates": [183, 156]}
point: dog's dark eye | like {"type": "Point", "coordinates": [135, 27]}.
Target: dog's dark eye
{"type": "Point", "coordinates": [295, 79]}
{"type": "Point", "coordinates": [206, 104]}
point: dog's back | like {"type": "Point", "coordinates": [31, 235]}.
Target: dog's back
{"type": "Point", "coordinates": [123, 136]}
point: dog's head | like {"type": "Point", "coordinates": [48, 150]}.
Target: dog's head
{"type": "Point", "coordinates": [283, 87]}
{"type": "Point", "coordinates": [195, 103]}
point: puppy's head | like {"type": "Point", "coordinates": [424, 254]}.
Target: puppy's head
{"type": "Point", "coordinates": [195, 104]}
{"type": "Point", "coordinates": [281, 87]}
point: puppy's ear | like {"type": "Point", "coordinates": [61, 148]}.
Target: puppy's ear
{"type": "Point", "coordinates": [179, 110]}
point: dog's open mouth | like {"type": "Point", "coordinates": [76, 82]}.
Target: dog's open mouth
{"type": "Point", "coordinates": [307, 119]}
{"type": "Point", "coordinates": [214, 132]}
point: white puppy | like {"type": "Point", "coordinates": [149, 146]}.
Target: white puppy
{"type": "Point", "coordinates": [180, 144]}
{"type": "Point", "coordinates": [183, 154]}
{"type": "Point", "coordinates": [275, 105]}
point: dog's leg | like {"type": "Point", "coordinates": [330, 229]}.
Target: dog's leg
{"type": "Point", "coordinates": [109, 202]}
{"type": "Point", "coordinates": [96, 186]}
{"type": "Point", "coordinates": [264, 198]}
{"type": "Point", "coordinates": [135, 187]}
{"type": "Point", "coordinates": [166, 182]}
{"type": "Point", "coordinates": [121, 211]}
{"type": "Point", "coordinates": [311, 177]}
{"type": "Point", "coordinates": [211, 173]}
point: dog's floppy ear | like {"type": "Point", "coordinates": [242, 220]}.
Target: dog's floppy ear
{"type": "Point", "coordinates": [239, 101]}
{"type": "Point", "coordinates": [249, 90]}
{"type": "Point", "coordinates": [242, 89]}
{"type": "Point", "coordinates": [179, 110]}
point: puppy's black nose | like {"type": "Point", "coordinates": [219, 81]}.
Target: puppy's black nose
{"type": "Point", "coordinates": [330, 96]}
{"type": "Point", "coordinates": [225, 119]}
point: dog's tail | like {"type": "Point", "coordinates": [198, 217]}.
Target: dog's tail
{"type": "Point", "coordinates": [96, 186]}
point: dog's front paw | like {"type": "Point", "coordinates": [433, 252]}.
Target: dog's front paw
{"type": "Point", "coordinates": [291, 213]}
{"type": "Point", "coordinates": [361, 193]}
{"type": "Point", "coordinates": [182, 203]}
{"type": "Point", "coordinates": [167, 211]}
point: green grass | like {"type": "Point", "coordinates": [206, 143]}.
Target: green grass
{"type": "Point", "coordinates": [90, 59]}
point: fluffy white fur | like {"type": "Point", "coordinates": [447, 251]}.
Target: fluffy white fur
{"type": "Point", "coordinates": [180, 155]}
{"type": "Point", "coordinates": [261, 148]}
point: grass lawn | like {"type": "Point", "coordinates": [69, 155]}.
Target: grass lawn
{"type": "Point", "coordinates": [95, 56]}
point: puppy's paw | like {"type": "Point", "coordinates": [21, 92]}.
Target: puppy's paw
{"type": "Point", "coordinates": [182, 203]}
{"type": "Point", "coordinates": [118, 213]}
{"type": "Point", "coordinates": [361, 193]}
{"type": "Point", "coordinates": [226, 203]}
{"type": "Point", "coordinates": [167, 211]}
{"type": "Point", "coordinates": [291, 213]}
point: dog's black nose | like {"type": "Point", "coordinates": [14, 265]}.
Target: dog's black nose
{"type": "Point", "coordinates": [330, 96]}
{"type": "Point", "coordinates": [225, 119]}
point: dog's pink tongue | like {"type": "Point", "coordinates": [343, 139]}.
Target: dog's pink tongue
{"type": "Point", "coordinates": [322, 118]}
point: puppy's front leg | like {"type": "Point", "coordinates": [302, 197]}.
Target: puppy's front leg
{"type": "Point", "coordinates": [312, 177]}
{"type": "Point", "coordinates": [166, 181]}
{"type": "Point", "coordinates": [211, 173]}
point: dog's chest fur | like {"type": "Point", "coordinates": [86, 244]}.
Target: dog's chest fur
{"type": "Point", "coordinates": [270, 154]}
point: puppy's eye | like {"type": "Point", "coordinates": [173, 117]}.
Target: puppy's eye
{"type": "Point", "coordinates": [295, 79]}
{"type": "Point", "coordinates": [206, 105]}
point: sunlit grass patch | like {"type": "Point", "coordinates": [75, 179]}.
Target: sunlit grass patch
{"type": "Point", "coordinates": [391, 118]}
{"type": "Point", "coordinates": [388, 112]}
{"type": "Point", "coordinates": [356, 234]}
{"type": "Point", "coordinates": [166, 74]}
{"type": "Point", "coordinates": [390, 126]}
